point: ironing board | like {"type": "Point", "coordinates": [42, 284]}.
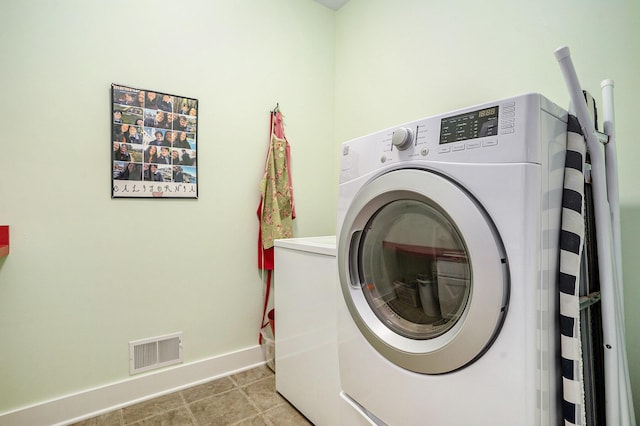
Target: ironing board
{"type": "Point", "coordinates": [571, 247]}
{"type": "Point", "coordinates": [618, 402]}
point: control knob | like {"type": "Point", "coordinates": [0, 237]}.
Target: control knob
{"type": "Point", "coordinates": [402, 138]}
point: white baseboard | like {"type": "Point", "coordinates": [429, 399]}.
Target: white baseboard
{"type": "Point", "coordinates": [93, 402]}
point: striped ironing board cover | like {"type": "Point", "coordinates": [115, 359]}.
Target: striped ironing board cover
{"type": "Point", "coordinates": [571, 246]}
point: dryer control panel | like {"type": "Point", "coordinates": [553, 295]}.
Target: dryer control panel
{"type": "Point", "coordinates": [470, 125]}
{"type": "Point", "coordinates": [481, 127]}
{"type": "Point", "coordinates": [511, 130]}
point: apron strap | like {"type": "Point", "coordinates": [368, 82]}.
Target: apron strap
{"type": "Point", "coordinates": [263, 324]}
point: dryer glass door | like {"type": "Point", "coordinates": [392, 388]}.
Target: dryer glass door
{"type": "Point", "coordinates": [415, 266]}
{"type": "Point", "coordinates": [423, 271]}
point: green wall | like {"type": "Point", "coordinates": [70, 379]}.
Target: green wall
{"type": "Point", "coordinates": [88, 274]}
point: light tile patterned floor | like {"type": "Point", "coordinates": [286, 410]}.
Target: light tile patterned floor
{"type": "Point", "coordinates": [246, 398]}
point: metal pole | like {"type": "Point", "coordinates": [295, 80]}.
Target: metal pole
{"type": "Point", "coordinates": [611, 161]}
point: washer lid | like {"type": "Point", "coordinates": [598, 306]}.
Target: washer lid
{"type": "Point", "coordinates": [423, 271]}
{"type": "Point", "coordinates": [321, 245]}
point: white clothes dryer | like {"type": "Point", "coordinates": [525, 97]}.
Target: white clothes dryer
{"type": "Point", "coordinates": [447, 258]}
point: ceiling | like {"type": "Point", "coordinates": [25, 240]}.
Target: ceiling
{"type": "Point", "coordinates": [333, 4]}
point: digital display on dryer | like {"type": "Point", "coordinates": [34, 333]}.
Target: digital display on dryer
{"type": "Point", "coordinates": [470, 125]}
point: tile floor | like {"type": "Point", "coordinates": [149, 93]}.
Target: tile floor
{"type": "Point", "coordinates": [246, 398]}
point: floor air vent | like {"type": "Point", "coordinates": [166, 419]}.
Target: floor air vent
{"type": "Point", "coordinates": [149, 354]}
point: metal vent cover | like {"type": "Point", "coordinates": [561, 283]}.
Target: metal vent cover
{"type": "Point", "coordinates": [155, 352]}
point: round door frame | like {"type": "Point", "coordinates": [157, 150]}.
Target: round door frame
{"type": "Point", "coordinates": [483, 316]}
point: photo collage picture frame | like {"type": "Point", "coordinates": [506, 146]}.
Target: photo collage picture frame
{"type": "Point", "coordinates": [154, 144]}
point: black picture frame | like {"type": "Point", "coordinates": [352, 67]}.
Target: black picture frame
{"type": "Point", "coordinates": [154, 139]}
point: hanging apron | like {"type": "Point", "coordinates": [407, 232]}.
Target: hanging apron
{"type": "Point", "coordinates": [276, 210]}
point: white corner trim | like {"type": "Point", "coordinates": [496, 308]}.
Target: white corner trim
{"type": "Point", "coordinates": [93, 402]}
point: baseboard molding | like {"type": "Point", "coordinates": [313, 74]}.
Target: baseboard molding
{"type": "Point", "coordinates": [93, 402]}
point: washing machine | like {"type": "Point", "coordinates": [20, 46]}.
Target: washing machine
{"type": "Point", "coordinates": [448, 232]}
{"type": "Point", "coordinates": [305, 296]}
